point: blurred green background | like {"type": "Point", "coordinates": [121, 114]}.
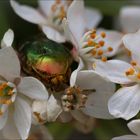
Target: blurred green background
{"type": "Point", "coordinates": [104, 129]}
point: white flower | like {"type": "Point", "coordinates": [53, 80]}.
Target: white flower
{"type": "Point", "coordinates": [15, 91]}
{"type": "Point", "coordinates": [47, 110]}
{"type": "Point", "coordinates": [125, 102]}
{"type": "Point", "coordinates": [89, 95]}
{"type": "Point", "coordinates": [91, 45]}
{"type": "Point", "coordinates": [134, 126]}
{"type": "Point", "coordinates": [49, 16]}
{"type": "Point", "coordinates": [130, 18]}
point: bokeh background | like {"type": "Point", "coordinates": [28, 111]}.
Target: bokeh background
{"type": "Point", "coordinates": [104, 129]}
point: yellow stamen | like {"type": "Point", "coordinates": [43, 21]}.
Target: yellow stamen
{"type": "Point", "coordinates": [104, 59]}
{"type": "Point", "coordinates": [90, 43]}
{"type": "Point", "coordinates": [93, 52]}
{"type": "Point", "coordinates": [130, 71]}
{"type": "Point", "coordinates": [100, 52]}
{"type": "Point", "coordinates": [110, 49]}
{"type": "Point", "coordinates": [10, 92]}
{"type": "Point", "coordinates": [94, 31]}
{"type": "Point", "coordinates": [103, 34]}
{"type": "Point", "coordinates": [138, 75]}
{"type": "Point", "coordinates": [8, 102]}
{"type": "Point", "coordinates": [62, 12]}
{"type": "Point", "coordinates": [133, 63]}
{"type": "Point", "coordinates": [93, 35]}
{"type": "Point", "coordinates": [101, 43]}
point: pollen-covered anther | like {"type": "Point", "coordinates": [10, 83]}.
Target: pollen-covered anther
{"type": "Point", "coordinates": [133, 63]}
{"type": "Point", "coordinates": [103, 34]}
{"type": "Point", "coordinates": [93, 35]}
{"type": "Point", "coordinates": [90, 43]}
{"type": "Point", "coordinates": [138, 75]}
{"type": "Point", "coordinates": [101, 43]}
{"type": "Point", "coordinates": [5, 101]}
{"type": "Point", "coordinates": [97, 46]}
{"type": "Point", "coordinates": [93, 51]}
{"type": "Point", "coordinates": [110, 49]}
{"type": "Point", "coordinates": [62, 13]}
{"type": "Point", "coordinates": [73, 99]}
{"type": "Point", "coordinates": [100, 52]}
{"type": "Point", "coordinates": [57, 1]}
{"type": "Point", "coordinates": [130, 71]}
{"type": "Point", "coordinates": [104, 59]}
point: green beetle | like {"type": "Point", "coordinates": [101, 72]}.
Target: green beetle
{"type": "Point", "coordinates": [48, 61]}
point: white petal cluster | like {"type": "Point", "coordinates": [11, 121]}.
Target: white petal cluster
{"type": "Point", "coordinates": [105, 84]}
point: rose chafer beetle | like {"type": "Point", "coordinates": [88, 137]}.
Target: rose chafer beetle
{"type": "Point", "coordinates": [48, 61]}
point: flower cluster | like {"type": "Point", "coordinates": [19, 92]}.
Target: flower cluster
{"type": "Point", "coordinates": [76, 72]}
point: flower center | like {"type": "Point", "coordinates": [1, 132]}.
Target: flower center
{"type": "Point", "coordinates": [97, 41]}
{"type": "Point", "coordinates": [73, 99]}
{"type": "Point", "coordinates": [133, 72]}
{"type": "Point", "coordinates": [7, 95]}
{"type": "Point", "coordinates": [58, 12]}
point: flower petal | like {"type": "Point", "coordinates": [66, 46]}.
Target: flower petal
{"type": "Point", "coordinates": [32, 88]}
{"type": "Point", "coordinates": [28, 13]}
{"type": "Point", "coordinates": [10, 131]}
{"type": "Point", "coordinates": [132, 42]}
{"type": "Point", "coordinates": [3, 119]}
{"type": "Point", "coordinates": [53, 109]}
{"type": "Point", "coordinates": [125, 103]}
{"type": "Point", "coordinates": [45, 6]}
{"type": "Point", "coordinates": [53, 34]}
{"type": "Point", "coordinates": [7, 39]}
{"type": "Point", "coordinates": [93, 17]}
{"type": "Point", "coordinates": [127, 137]}
{"type": "Point", "coordinates": [134, 126]}
{"type": "Point", "coordinates": [68, 34]}
{"type": "Point", "coordinates": [130, 18]}
{"type": "Point", "coordinates": [96, 104]}
{"type": "Point", "coordinates": [75, 16]}
{"type": "Point", "coordinates": [22, 117]}
{"type": "Point", "coordinates": [74, 73]}
{"type": "Point", "coordinates": [9, 64]}
{"type": "Point", "coordinates": [48, 110]}
{"type": "Point", "coordinates": [114, 70]}
{"type": "Point", "coordinates": [123, 55]}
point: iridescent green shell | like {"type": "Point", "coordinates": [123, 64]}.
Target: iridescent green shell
{"type": "Point", "coordinates": [46, 60]}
